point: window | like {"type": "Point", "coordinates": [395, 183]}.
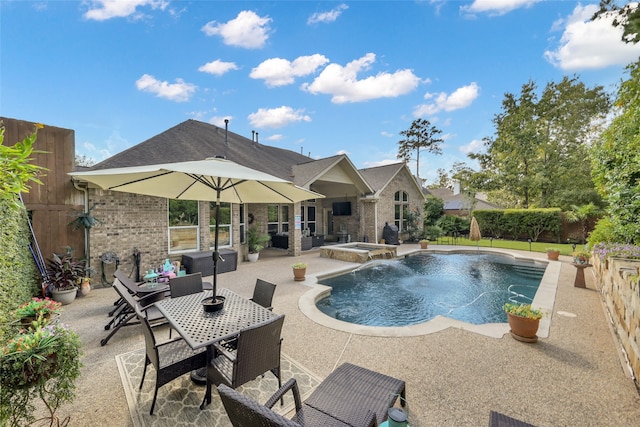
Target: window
{"type": "Point", "coordinates": [243, 228]}
{"type": "Point", "coordinates": [308, 217]}
{"type": "Point", "coordinates": [277, 219]}
{"type": "Point", "coordinates": [224, 229]}
{"type": "Point", "coordinates": [401, 208]}
{"type": "Point", "coordinates": [183, 225]}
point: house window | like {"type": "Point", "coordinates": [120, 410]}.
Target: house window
{"type": "Point", "coordinates": [183, 225]}
{"type": "Point", "coordinates": [224, 229]}
{"type": "Point", "coordinates": [277, 219]}
{"type": "Point", "coordinates": [308, 217]}
{"type": "Point", "coordinates": [243, 228]}
{"type": "Point", "coordinates": [401, 208]}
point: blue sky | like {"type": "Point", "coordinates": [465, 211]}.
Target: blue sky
{"type": "Point", "coordinates": [315, 77]}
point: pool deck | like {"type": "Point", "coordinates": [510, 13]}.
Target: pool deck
{"type": "Point", "coordinates": [575, 375]}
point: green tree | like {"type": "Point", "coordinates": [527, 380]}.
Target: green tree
{"type": "Point", "coordinates": [421, 135]}
{"type": "Point", "coordinates": [536, 158]}
{"type": "Point", "coordinates": [16, 171]}
{"type": "Point", "coordinates": [433, 210]}
{"type": "Point", "coordinates": [627, 16]}
{"type": "Point", "coordinates": [615, 160]}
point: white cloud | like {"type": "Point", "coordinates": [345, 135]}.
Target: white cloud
{"type": "Point", "coordinates": [281, 72]}
{"type": "Point", "coordinates": [387, 134]}
{"type": "Point", "coordinates": [178, 91]}
{"type": "Point", "coordinates": [327, 17]}
{"type": "Point", "coordinates": [101, 10]}
{"type": "Point", "coordinates": [474, 146]}
{"type": "Point", "coordinates": [460, 98]}
{"type": "Point", "coordinates": [219, 120]}
{"type": "Point", "coordinates": [277, 117]}
{"type": "Point", "coordinates": [247, 30]}
{"type": "Point", "coordinates": [496, 7]}
{"type": "Point", "coordinates": [341, 152]}
{"type": "Point", "coordinates": [343, 84]}
{"type": "Point", "coordinates": [587, 44]}
{"type": "Point", "coordinates": [383, 162]}
{"type": "Point", "coordinates": [217, 67]}
{"type": "Point", "coordinates": [275, 137]}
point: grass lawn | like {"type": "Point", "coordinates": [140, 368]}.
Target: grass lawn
{"type": "Point", "coordinates": [565, 249]}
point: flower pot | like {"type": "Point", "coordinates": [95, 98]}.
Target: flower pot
{"type": "Point", "coordinates": [522, 328]}
{"type": "Point", "coordinates": [299, 273]}
{"type": "Point", "coordinates": [424, 245]}
{"type": "Point", "coordinates": [253, 257]}
{"type": "Point", "coordinates": [553, 255]}
{"type": "Point", "coordinates": [85, 288]}
{"type": "Point", "coordinates": [64, 297]}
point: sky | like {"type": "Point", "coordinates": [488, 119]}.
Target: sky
{"type": "Point", "coordinates": [316, 77]}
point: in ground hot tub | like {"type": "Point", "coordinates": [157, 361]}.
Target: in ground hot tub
{"type": "Point", "coordinates": [359, 252]}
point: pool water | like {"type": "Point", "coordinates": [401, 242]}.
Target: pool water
{"type": "Point", "coordinates": [466, 287]}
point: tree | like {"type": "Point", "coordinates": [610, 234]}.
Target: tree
{"type": "Point", "coordinates": [615, 160]}
{"type": "Point", "coordinates": [536, 158]}
{"type": "Point", "coordinates": [627, 16]}
{"type": "Point", "coordinates": [84, 160]}
{"type": "Point", "coordinates": [421, 135]}
{"type": "Point", "coordinates": [433, 210]}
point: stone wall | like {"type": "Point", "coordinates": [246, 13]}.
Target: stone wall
{"type": "Point", "coordinates": [621, 293]}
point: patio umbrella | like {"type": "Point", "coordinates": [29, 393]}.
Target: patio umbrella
{"type": "Point", "coordinates": [474, 232]}
{"type": "Point", "coordinates": [213, 179]}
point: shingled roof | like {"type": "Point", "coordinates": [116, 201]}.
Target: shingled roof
{"type": "Point", "coordinates": [195, 140]}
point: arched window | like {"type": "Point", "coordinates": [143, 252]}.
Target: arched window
{"type": "Point", "coordinates": [401, 208]}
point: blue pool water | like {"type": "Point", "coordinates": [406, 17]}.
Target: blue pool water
{"type": "Point", "coordinates": [467, 287]}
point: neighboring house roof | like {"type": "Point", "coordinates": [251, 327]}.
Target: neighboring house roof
{"type": "Point", "coordinates": [379, 177]}
{"type": "Point", "coordinates": [195, 140]}
{"type": "Point", "coordinates": [456, 202]}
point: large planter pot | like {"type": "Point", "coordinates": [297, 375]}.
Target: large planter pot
{"type": "Point", "coordinates": [64, 297]}
{"type": "Point", "coordinates": [522, 328]}
{"type": "Point", "coordinates": [253, 257]}
{"type": "Point", "coordinates": [299, 274]}
{"type": "Point", "coordinates": [553, 255]}
{"type": "Point", "coordinates": [424, 245]}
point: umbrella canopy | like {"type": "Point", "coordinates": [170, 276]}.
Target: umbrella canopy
{"type": "Point", "coordinates": [214, 179]}
{"type": "Point", "coordinates": [474, 231]}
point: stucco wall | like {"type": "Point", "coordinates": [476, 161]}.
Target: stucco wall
{"type": "Point", "coordinates": [621, 294]}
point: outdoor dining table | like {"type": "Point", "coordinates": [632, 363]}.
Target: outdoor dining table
{"type": "Point", "coordinates": [203, 329]}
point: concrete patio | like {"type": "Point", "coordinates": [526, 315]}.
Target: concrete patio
{"type": "Point", "coordinates": [454, 377]}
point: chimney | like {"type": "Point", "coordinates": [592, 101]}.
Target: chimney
{"type": "Point", "coordinates": [456, 187]}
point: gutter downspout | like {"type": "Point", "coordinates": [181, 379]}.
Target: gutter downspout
{"type": "Point", "coordinates": [87, 249]}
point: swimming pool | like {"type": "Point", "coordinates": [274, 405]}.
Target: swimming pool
{"type": "Point", "coordinates": [465, 286]}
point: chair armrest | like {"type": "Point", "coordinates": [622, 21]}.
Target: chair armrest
{"type": "Point", "coordinates": [224, 352]}
{"type": "Point", "coordinates": [289, 385]}
{"type": "Point", "coordinates": [171, 341]}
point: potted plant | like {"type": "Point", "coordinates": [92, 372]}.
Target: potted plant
{"type": "Point", "coordinates": [581, 257]}
{"type": "Point", "coordinates": [256, 241]}
{"type": "Point", "coordinates": [64, 276]}
{"type": "Point", "coordinates": [37, 310]}
{"type": "Point", "coordinates": [41, 362]}
{"type": "Point", "coordinates": [424, 243]}
{"type": "Point", "coordinates": [553, 253]}
{"type": "Point", "coordinates": [299, 271]}
{"type": "Point", "coordinates": [523, 320]}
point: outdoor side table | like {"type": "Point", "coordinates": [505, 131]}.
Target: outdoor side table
{"type": "Point", "coordinates": [579, 282]}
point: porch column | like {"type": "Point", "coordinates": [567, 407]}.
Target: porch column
{"type": "Point", "coordinates": [295, 231]}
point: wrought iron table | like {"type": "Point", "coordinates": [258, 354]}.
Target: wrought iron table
{"type": "Point", "coordinates": [202, 329]}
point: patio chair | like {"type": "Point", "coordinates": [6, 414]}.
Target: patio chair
{"type": "Point", "coordinates": [171, 359]}
{"type": "Point", "coordinates": [257, 352]}
{"type": "Point", "coordinates": [126, 316]}
{"type": "Point", "coordinates": [185, 285]}
{"type": "Point", "coordinates": [496, 419]}
{"type": "Point", "coordinates": [263, 293]}
{"type": "Point", "coordinates": [350, 396]}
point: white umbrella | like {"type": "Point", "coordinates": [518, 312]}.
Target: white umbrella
{"type": "Point", "coordinates": [474, 232]}
{"type": "Point", "coordinates": [213, 179]}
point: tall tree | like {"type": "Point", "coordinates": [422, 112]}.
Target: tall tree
{"type": "Point", "coordinates": [421, 135]}
{"type": "Point", "coordinates": [536, 158]}
{"type": "Point", "coordinates": [615, 159]}
{"type": "Point", "coordinates": [627, 16]}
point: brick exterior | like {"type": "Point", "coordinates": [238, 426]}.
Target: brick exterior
{"type": "Point", "coordinates": [386, 201]}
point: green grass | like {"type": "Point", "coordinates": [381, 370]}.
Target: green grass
{"type": "Point", "coordinates": [565, 249]}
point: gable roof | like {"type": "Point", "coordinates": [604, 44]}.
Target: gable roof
{"type": "Point", "coordinates": [455, 202]}
{"type": "Point", "coordinates": [380, 176]}
{"type": "Point", "coordinates": [195, 140]}
{"type": "Point", "coordinates": [332, 176]}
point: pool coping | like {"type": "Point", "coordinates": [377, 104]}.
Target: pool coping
{"type": "Point", "coordinates": [543, 300]}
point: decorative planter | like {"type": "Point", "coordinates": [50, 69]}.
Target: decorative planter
{"type": "Point", "coordinates": [424, 245]}
{"type": "Point", "coordinates": [299, 273]}
{"type": "Point", "coordinates": [553, 255]}
{"type": "Point", "coordinates": [253, 257]}
{"type": "Point", "coordinates": [64, 297]}
{"type": "Point", "coordinates": [523, 329]}
{"type": "Point", "coordinates": [85, 288]}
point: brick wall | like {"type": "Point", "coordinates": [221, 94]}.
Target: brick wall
{"type": "Point", "coordinates": [621, 294]}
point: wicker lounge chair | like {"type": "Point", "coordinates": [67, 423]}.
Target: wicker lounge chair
{"type": "Point", "coordinates": [349, 396]}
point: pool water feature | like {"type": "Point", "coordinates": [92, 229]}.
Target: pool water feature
{"type": "Point", "coordinates": [467, 287]}
{"type": "Point", "coordinates": [359, 252]}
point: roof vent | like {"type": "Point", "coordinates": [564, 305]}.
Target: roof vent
{"type": "Point", "coordinates": [226, 131]}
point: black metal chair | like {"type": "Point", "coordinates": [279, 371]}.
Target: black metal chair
{"type": "Point", "coordinates": [171, 359]}
{"type": "Point", "coordinates": [185, 285]}
{"type": "Point", "coordinates": [257, 352]}
{"type": "Point", "coordinates": [263, 293]}
{"type": "Point", "coordinates": [349, 396]}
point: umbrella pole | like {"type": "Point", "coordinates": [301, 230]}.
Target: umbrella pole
{"type": "Point", "coordinates": [216, 255]}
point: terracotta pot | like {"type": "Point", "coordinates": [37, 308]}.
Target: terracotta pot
{"type": "Point", "coordinates": [523, 328]}
{"type": "Point", "coordinates": [85, 288]}
{"type": "Point", "coordinates": [424, 245]}
{"type": "Point", "coordinates": [299, 273]}
{"type": "Point", "coordinates": [553, 255]}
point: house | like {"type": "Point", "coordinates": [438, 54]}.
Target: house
{"type": "Point", "coordinates": [356, 206]}
{"type": "Point", "coordinates": [459, 203]}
